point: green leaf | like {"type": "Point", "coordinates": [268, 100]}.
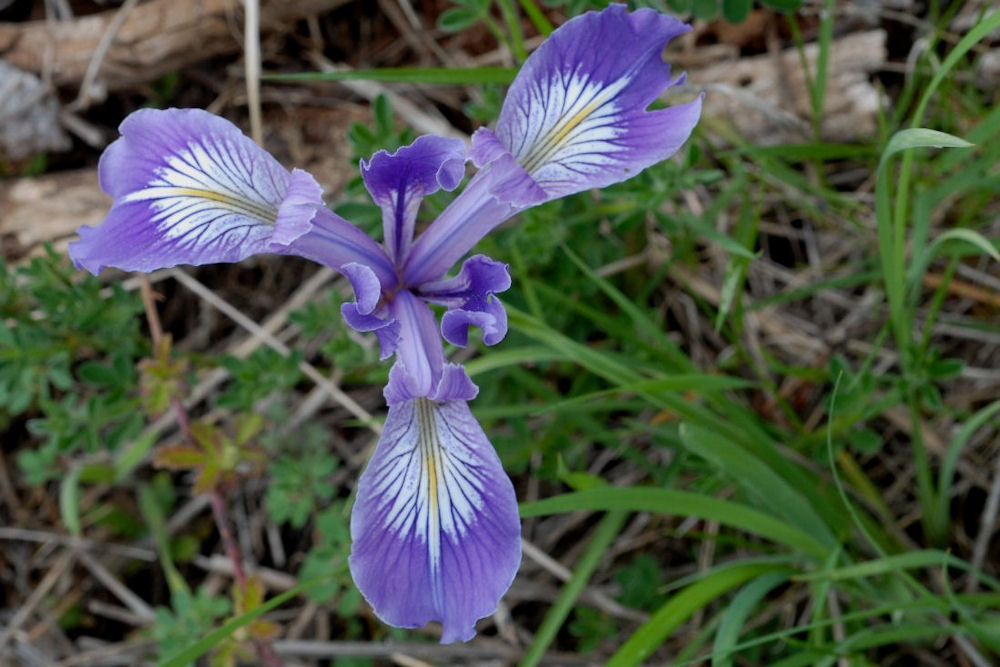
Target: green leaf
{"type": "Point", "coordinates": [605, 533]}
{"type": "Point", "coordinates": [679, 503]}
{"type": "Point", "coordinates": [705, 10]}
{"type": "Point", "coordinates": [865, 441]}
{"type": "Point", "coordinates": [69, 501]}
{"type": "Point", "coordinates": [946, 475]}
{"type": "Point", "coordinates": [736, 11]}
{"type": "Point", "coordinates": [737, 613]}
{"type": "Point", "coordinates": [782, 5]}
{"type": "Point", "coordinates": [757, 479]}
{"type": "Point", "coordinates": [98, 374]}
{"type": "Point", "coordinates": [919, 137]}
{"type": "Point", "coordinates": [685, 382]}
{"type": "Point", "coordinates": [966, 236]}
{"type": "Point", "coordinates": [431, 75]}
{"type": "Point", "coordinates": [458, 19]}
{"type": "Point", "coordinates": [927, 558]}
{"type": "Point", "coordinates": [219, 635]}
{"type": "Point", "coordinates": [682, 606]}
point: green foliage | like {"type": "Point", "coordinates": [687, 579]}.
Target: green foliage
{"type": "Point", "coordinates": [162, 379]}
{"type": "Point", "coordinates": [321, 320]}
{"type": "Point", "coordinates": [467, 14]}
{"type": "Point", "coordinates": [262, 374]}
{"type": "Point", "coordinates": [298, 483]}
{"type": "Point", "coordinates": [67, 362]}
{"type": "Point", "coordinates": [591, 627]}
{"type": "Point", "coordinates": [383, 135]}
{"type": "Point", "coordinates": [640, 583]}
{"type": "Point", "coordinates": [191, 615]}
{"type": "Point", "coordinates": [328, 560]}
{"type": "Point", "coordinates": [735, 452]}
{"type": "Point", "coordinates": [217, 458]}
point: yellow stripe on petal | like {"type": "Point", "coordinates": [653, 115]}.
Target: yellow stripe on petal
{"type": "Point", "coordinates": [239, 205]}
{"type": "Point", "coordinates": [577, 104]}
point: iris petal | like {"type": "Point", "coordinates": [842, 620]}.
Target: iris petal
{"type": "Point", "coordinates": [399, 181]}
{"type": "Point", "coordinates": [189, 188]}
{"type": "Point", "coordinates": [435, 528]}
{"type": "Point", "coordinates": [575, 116]}
{"type": "Point", "coordinates": [470, 299]}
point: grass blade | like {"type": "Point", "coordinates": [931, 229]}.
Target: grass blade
{"type": "Point", "coordinates": [605, 533]}
{"type": "Point", "coordinates": [434, 75]}
{"type": "Point", "coordinates": [681, 606]}
{"type": "Point", "coordinates": [736, 615]}
{"type": "Point", "coordinates": [683, 503]}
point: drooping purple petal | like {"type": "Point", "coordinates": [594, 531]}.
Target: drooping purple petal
{"type": "Point", "coordinates": [399, 181]}
{"type": "Point", "coordinates": [435, 528]}
{"type": "Point", "coordinates": [470, 299]}
{"type": "Point", "coordinates": [189, 188]}
{"type": "Point", "coordinates": [575, 117]}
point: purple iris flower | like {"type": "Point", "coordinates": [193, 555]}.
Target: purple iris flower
{"type": "Point", "coordinates": [435, 528]}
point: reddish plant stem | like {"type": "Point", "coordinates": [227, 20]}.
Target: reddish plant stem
{"type": "Point", "coordinates": [228, 541]}
{"type": "Point", "coordinates": [218, 495]}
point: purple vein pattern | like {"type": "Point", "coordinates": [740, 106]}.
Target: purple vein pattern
{"type": "Point", "coordinates": [435, 528]}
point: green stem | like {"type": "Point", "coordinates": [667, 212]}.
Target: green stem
{"type": "Point", "coordinates": [822, 65]}
{"type": "Point", "coordinates": [925, 487]}
{"type": "Point", "coordinates": [536, 17]}
{"type": "Point", "coordinates": [513, 21]}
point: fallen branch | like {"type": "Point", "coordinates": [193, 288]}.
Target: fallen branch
{"type": "Point", "coordinates": [154, 38]}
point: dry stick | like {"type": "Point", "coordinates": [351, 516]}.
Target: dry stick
{"type": "Point", "coordinates": [420, 120]}
{"type": "Point", "coordinates": [207, 385]}
{"type": "Point", "coordinates": [103, 654]}
{"type": "Point", "coordinates": [79, 543]}
{"type": "Point", "coordinates": [251, 62]}
{"type": "Point", "coordinates": [987, 524]}
{"type": "Point", "coordinates": [86, 96]}
{"type": "Point", "coordinates": [308, 369]}
{"type": "Point", "coordinates": [134, 603]}
{"type": "Point", "coordinates": [590, 594]}
{"type": "Point", "coordinates": [218, 498]}
{"type": "Point", "coordinates": [36, 597]}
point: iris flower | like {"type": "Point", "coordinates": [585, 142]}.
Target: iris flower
{"type": "Point", "coordinates": [435, 528]}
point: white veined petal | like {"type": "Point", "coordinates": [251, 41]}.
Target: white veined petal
{"type": "Point", "coordinates": [569, 118]}
{"type": "Point", "coordinates": [435, 527]}
{"type": "Point", "coordinates": [209, 189]}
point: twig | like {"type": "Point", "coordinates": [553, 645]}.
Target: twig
{"type": "Point", "coordinates": [987, 523]}
{"type": "Point", "coordinates": [251, 63]}
{"type": "Point", "coordinates": [481, 650]}
{"type": "Point", "coordinates": [308, 369]}
{"type": "Point", "coordinates": [104, 654]}
{"type": "Point", "coordinates": [86, 96]}
{"type": "Point", "coordinates": [135, 604]}
{"type": "Point", "coordinates": [45, 585]}
{"type": "Point", "coordinates": [595, 597]}
{"type": "Point", "coordinates": [79, 543]}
